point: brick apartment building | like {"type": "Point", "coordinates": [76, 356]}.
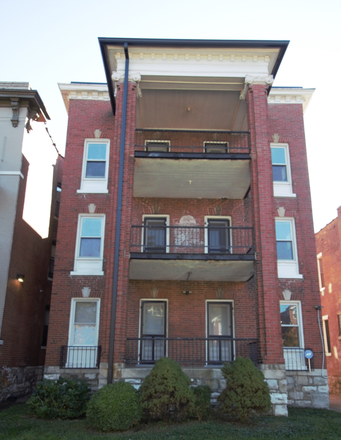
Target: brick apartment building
{"type": "Point", "coordinates": [185, 225]}
{"type": "Point", "coordinates": [328, 245]}
{"type": "Point", "coordinates": [28, 229]}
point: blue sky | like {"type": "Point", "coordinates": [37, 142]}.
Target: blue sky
{"type": "Point", "coordinates": [46, 43]}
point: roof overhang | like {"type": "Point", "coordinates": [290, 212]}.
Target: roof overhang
{"type": "Point", "coordinates": [81, 90]}
{"type": "Point", "coordinates": [200, 64]}
{"type": "Point", "coordinates": [30, 97]}
{"type": "Point", "coordinates": [291, 95]}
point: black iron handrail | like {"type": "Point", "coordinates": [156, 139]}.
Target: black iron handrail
{"type": "Point", "coordinates": [80, 356]}
{"type": "Point", "coordinates": [213, 350]}
{"type": "Point", "coordinates": [192, 141]}
{"type": "Point", "coordinates": [191, 239]}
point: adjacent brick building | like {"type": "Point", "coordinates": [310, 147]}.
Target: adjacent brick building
{"type": "Point", "coordinates": [30, 183]}
{"type": "Point", "coordinates": [185, 225]}
{"type": "Point", "coordinates": [328, 245]}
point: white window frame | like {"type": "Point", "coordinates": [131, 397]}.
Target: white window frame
{"type": "Point", "coordinates": [283, 189]}
{"type": "Point", "coordinates": [319, 261]}
{"type": "Point", "coordinates": [142, 300]}
{"type": "Point", "coordinates": [289, 268]}
{"type": "Point", "coordinates": [88, 265]}
{"type": "Point", "coordinates": [70, 356]}
{"type": "Point", "coordinates": [151, 216]}
{"type": "Point", "coordinates": [230, 301]}
{"type": "Point", "coordinates": [325, 339]}
{"type": "Point", "coordinates": [216, 217]}
{"type": "Point", "coordinates": [94, 184]}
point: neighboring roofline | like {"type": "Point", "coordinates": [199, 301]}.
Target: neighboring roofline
{"type": "Point", "coordinates": [31, 95]}
{"type": "Point", "coordinates": [151, 42]}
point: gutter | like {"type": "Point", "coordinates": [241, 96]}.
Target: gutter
{"type": "Point", "coordinates": [118, 220]}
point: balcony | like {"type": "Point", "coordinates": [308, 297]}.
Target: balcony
{"type": "Point", "coordinates": [189, 352]}
{"type": "Point", "coordinates": [191, 164]}
{"type": "Point", "coordinates": [208, 253]}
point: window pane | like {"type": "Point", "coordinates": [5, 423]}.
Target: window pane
{"type": "Point", "coordinates": [84, 335]}
{"type": "Point", "coordinates": [290, 337]}
{"type": "Point", "coordinates": [219, 320]}
{"type": "Point", "coordinates": [90, 247]}
{"type": "Point", "coordinates": [85, 312]}
{"type": "Point", "coordinates": [289, 314]}
{"type": "Point", "coordinates": [97, 151]}
{"type": "Point", "coordinates": [283, 230]}
{"type": "Point", "coordinates": [278, 155]}
{"type": "Point", "coordinates": [284, 250]}
{"type": "Point", "coordinates": [279, 173]}
{"type": "Point", "coordinates": [95, 169]}
{"type": "Point", "coordinates": [153, 319]}
{"type": "Point", "coordinates": [91, 227]}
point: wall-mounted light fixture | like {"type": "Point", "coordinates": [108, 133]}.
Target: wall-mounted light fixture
{"type": "Point", "coordinates": [187, 292]}
{"type": "Point", "coordinates": [20, 277]}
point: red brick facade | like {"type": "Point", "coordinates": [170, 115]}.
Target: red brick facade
{"type": "Point", "coordinates": [328, 244]}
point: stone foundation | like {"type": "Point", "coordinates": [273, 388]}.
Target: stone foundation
{"type": "Point", "coordinates": [275, 376]}
{"type": "Point", "coordinates": [90, 375]}
{"type": "Point", "coordinates": [287, 388]}
{"type": "Point", "coordinates": [308, 389]}
{"type": "Point", "coordinates": [18, 381]}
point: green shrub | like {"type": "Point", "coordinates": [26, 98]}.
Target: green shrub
{"type": "Point", "coordinates": [115, 407]}
{"type": "Point", "coordinates": [246, 391]}
{"type": "Point", "coordinates": [202, 401]}
{"type": "Point", "coordinates": [165, 392]}
{"type": "Point", "coordinates": [63, 399]}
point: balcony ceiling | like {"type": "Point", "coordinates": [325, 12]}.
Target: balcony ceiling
{"type": "Point", "coordinates": [192, 109]}
{"type": "Point", "coordinates": [177, 270]}
{"type": "Point", "coordinates": [191, 178]}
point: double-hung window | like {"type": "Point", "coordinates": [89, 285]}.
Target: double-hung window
{"type": "Point", "coordinates": [281, 171]}
{"type": "Point", "coordinates": [287, 260]}
{"type": "Point", "coordinates": [95, 166]}
{"type": "Point", "coordinates": [89, 245]}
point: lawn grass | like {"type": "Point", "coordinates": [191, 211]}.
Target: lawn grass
{"type": "Point", "coordinates": [18, 423]}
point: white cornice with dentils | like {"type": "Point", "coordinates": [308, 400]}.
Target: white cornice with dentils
{"type": "Point", "coordinates": [85, 91]}
{"type": "Point", "coordinates": [290, 95]}
{"type": "Point", "coordinates": [195, 62]}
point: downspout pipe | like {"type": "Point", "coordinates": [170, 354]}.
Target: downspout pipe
{"type": "Point", "coordinates": [118, 220]}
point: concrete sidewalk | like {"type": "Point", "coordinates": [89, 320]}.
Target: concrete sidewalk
{"type": "Point", "coordinates": [335, 402]}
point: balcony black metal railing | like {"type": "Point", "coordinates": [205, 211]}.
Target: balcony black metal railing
{"type": "Point", "coordinates": [172, 142]}
{"type": "Point", "coordinates": [295, 359]}
{"type": "Point", "coordinates": [80, 356]}
{"type": "Point", "coordinates": [191, 240]}
{"type": "Point", "coordinates": [190, 352]}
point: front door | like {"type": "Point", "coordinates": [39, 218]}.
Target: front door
{"type": "Point", "coordinates": [153, 331]}
{"type": "Point", "coordinates": [219, 332]}
{"type": "Point", "coordinates": [155, 235]}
